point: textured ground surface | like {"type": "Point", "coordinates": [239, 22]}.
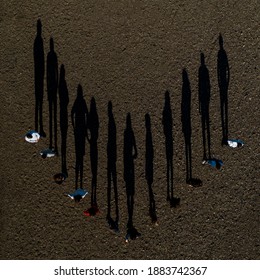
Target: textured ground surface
{"type": "Point", "coordinates": [131, 52]}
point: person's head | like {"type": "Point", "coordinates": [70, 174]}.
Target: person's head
{"type": "Point", "coordinates": [220, 39]}
{"type": "Point", "coordinates": [44, 155]}
{"type": "Point", "coordinates": [218, 164]}
{"type": "Point", "coordinates": [93, 106]}
{"type": "Point", "coordinates": [77, 198]}
{"type": "Point", "coordinates": [167, 96]}
{"type": "Point", "coordinates": [51, 44]}
{"type": "Point", "coordinates": [184, 75]}
{"type": "Point", "coordinates": [39, 27]}
{"type": "Point", "coordinates": [128, 121]}
{"type": "Point", "coordinates": [80, 92]}
{"type": "Point", "coordinates": [147, 121]}
{"type": "Point", "coordinates": [62, 71]}
{"type": "Point", "coordinates": [29, 135]}
{"type": "Point", "coordinates": [109, 108]}
{"type": "Point", "coordinates": [202, 58]}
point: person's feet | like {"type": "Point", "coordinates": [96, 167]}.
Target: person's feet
{"type": "Point", "coordinates": [132, 234]}
{"type": "Point", "coordinates": [175, 201]}
{"type": "Point", "coordinates": [42, 134]}
{"type": "Point", "coordinates": [194, 182]}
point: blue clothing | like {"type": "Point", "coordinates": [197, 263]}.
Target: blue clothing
{"type": "Point", "coordinates": [78, 192]}
{"type": "Point", "coordinates": [217, 163]}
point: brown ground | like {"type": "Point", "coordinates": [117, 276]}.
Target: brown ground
{"type": "Point", "coordinates": [130, 53]}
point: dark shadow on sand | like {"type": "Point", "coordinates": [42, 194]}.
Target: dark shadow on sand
{"type": "Point", "coordinates": [223, 83]}
{"type": "Point", "coordinates": [130, 154]}
{"type": "Point", "coordinates": [52, 88]}
{"type": "Point", "coordinates": [111, 169]}
{"type": "Point", "coordinates": [149, 156]}
{"type": "Point", "coordinates": [167, 129]}
{"type": "Point", "coordinates": [186, 128]}
{"type": "Point", "coordinates": [204, 101]}
{"type": "Point", "coordinates": [79, 114]}
{"type": "Point", "coordinates": [39, 69]}
{"type": "Point", "coordinates": [92, 136]}
{"type": "Point", "coordinates": [64, 101]}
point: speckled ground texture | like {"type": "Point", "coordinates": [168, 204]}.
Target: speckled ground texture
{"type": "Point", "coordinates": [131, 52]}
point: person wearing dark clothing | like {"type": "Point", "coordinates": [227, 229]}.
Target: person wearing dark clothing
{"type": "Point", "coordinates": [204, 100]}
{"type": "Point", "coordinates": [79, 114]}
{"type": "Point", "coordinates": [38, 53]}
{"type": "Point", "coordinates": [223, 83]}
{"type": "Point", "coordinates": [52, 87]}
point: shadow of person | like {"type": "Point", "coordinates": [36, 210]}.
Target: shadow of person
{"type": "Point", "coordinates": [167, 129]}
{"type": "Point", "coordinates": [39, 69]}
{"type": "Point", "coordinates": [204, 100]}
{"type": "Point", "coordinates": [111, 169]}
{"type": "Point", "coordinates": [149, 155]}
{"type": "Point", "coordinates": [130, 154]}
{"type": "Point", "coordinates": [64, 101]}
{"type": "Point", "coordinates": [52, 87]}
{"type": "Point", "coordinates": [79, 114]}
{"type": "Point", "coordinates": [92, 136]}
{"type": "Point", "coordinates": [223, 83]}
{"type": "Point", "coordinates": [186, 128]}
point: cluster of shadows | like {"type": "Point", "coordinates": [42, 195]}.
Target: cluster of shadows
{"type": "Point", "coordinates": [86, 125]}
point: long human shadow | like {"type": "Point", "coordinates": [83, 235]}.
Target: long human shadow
{"type": "Point", "coordinates": [130, 154]}
{"type": "Point", "coordinates": [92, 136]}
{"type": "Point", "coordinates": [64, 101]}
{"type": "Point", "coordinates": [186, 128]}
{"type": "Point", "coordinates": [52, 88]}
{"type": "Point", "coordinates": [167, 129]}
{"type": "Point", "coordinates": [204, 101]}
{"type": "Point", "coordinates": [223, 83]}
{"type": "Point", "coordinates": [79, 115]}
{"type": "Point", "coordinates": [149, 156]}
{"type": "Point", "coordinates": [111, 168]}
{"type": "Point", "coordinates": [39, 69]}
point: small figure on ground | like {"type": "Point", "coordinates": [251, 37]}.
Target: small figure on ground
{"type": "Point", "coordinates": [59, 178]}
{"type": "Point", "coordinates": [32, 136]}
{"type": "Point", "coordinates": [235, 143]}
{"type": "Point", "coordinates": [216, 163]}
{"type": "Point", "coordinates": [92, 211]}
{"type": "Point", "coordinates": [47, 153]}
{"type": "Point", "coordinates": [78, 195]}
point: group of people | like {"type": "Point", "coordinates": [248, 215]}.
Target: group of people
{"type": "Point", "coordinates": [86, 126]}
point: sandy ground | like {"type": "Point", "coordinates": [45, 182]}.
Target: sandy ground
{"type": "Point", "coordinates": [131, 52]}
